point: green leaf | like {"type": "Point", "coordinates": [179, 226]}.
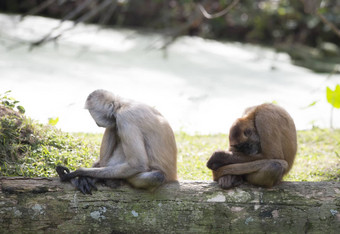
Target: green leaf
{"type": "Point", "coordinates": [21, 109]}
{"type": "Point", "coordinates": [333, 96]}
{"type": "Point", "coordinates": [310, 105]}
{"type": "Point", "coordinates": [53, 121]}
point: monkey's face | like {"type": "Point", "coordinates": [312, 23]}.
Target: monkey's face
{"type": "Point", "coordinates": [103, 119]}
{"type": "Point", "coordinates": [244, 138]}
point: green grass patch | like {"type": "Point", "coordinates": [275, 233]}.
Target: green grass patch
{"type": "Point", "coordinates": [318, 157]}
{"type": "Point", "coordinates": [28, 148]}
{"type": "Point", "coordinates": [194, 152]}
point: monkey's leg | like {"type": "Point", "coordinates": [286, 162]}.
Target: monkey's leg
{"type": "Point", "coordinates": [145, 180]}
{"type": "Point", "coordinates": [266, 172]}
{"type": "Point", "coordinates": [269, 175]}
{"type": "Point", "coordinates": [124, 171]}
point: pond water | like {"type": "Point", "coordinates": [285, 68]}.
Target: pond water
{"type": "Point", "coordinates": [200, 86]}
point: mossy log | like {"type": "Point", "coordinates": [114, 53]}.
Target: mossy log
{"type": "Point", "coordinates": [41, 205]}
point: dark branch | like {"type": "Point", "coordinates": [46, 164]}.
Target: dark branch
{"type": "Point", "coordinates": [330, 24]}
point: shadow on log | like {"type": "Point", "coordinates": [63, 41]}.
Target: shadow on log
{"type": "Point", "coordinates": [41, 205]}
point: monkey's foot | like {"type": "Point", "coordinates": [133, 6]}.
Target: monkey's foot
{"type": "Point", "coordinates": [230, 181]}
{"type": "Point", "coordinates": [85, 184]}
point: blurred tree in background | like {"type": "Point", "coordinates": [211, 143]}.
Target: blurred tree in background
{"type": "Point", "coordinates": [307, 29]}
{"type": "Point", "coordinates": [258, 21]}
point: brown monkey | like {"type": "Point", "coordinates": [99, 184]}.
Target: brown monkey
{"type": "Point", "coordinates": [262, 148]}
{"type": "Point", "coordinates": [138, 145]}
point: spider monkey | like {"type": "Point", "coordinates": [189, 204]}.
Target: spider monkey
{"type": "Point", "coordinates": [138, 146]}
{"type": "Point", "coordinates": [262, 150]}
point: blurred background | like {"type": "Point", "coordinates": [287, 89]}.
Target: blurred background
{"type": "Point", "coordinates": [200, 63]}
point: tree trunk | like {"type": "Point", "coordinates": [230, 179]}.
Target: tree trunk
{"type": "Point", "coordinates": [42, 205]}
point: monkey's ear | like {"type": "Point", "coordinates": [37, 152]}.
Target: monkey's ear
{"type": "Point", "coordinates": [101, 107]}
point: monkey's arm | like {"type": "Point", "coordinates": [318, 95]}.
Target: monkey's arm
{"type": "Point", "coordinates": [222, 158]}
{"type": "Point", "coordinates": [135, 156]}
{"type": "Point", "coordinates": [118, 171]}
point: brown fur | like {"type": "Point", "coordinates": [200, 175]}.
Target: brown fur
{"type": "Point", "coordinates": [262, 148]}
{"type": "Point", "coordinates": [138, 144]}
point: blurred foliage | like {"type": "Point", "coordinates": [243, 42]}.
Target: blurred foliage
{"type": "Point", "coordinates": [31, 149]}
{"type": "Point", "coordinates": [259, 21]}
{"type": "Point", "coordinates": [310, 37]}
{"type": "Point", "coordinates": [7, 101]}
{"type": "Point", "coordinates": [28, 148]}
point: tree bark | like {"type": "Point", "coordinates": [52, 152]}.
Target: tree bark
{"type": "Point", "coordinates": [42, 205]}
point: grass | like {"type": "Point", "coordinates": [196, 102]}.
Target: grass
{"type": "Point", "coordinates": [31, 149]}
{"type": "Point", "coordinates": [193, 153]}
{"type": "Point", "coordinates": [318, 157]}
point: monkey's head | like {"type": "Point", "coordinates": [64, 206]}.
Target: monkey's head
{"type": "Point", "coordinates": [244, 138]}
{"type": "Point", "coordinates": [100, 104]}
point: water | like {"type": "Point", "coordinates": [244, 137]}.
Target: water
{"type": "Point", "coordinates": [200, 86]}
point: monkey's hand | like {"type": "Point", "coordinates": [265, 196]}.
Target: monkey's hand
{"type": "Point", "coordinates": [62, 172]}
{"type": "Point", "coordinates": [82, 183]}
{"type": "Point", "coordinates": [219, 159]}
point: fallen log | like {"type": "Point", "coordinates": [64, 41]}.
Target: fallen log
{"type": "Point", "coordinates": [43, 205]}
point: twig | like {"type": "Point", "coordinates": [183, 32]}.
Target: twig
{"type": "Point", "coordinates": [312, 6]}
{"type": "Point", "coordinates": [330, 24]}
{"type": "Point", "coordinates": [84, 18]}
{"type": "Point", "coordinates": [218, 14]}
